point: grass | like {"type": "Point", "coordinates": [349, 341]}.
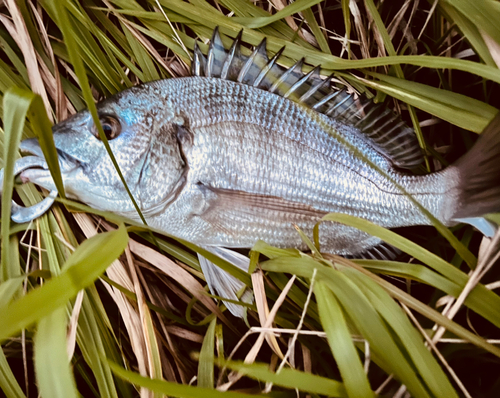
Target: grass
{"type": "Point", "coordinates": [321, 325]}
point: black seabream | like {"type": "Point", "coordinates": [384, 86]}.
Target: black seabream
{"type": "Point", "coordinates": [244, 150]}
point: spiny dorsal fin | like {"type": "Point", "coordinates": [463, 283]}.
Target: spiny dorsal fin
{"type": "Point", "coordinates": [288, 79]}
{"type": "Point", "coordinates": [216, 56]}
{"type": "Point", "coordinates": [379, 126]}
{"type": "Point", "coordinates": [198, 64]}
{"type": "Point", "coordinates": [254, 64]}
{"type": "Point", "coordinates": [314, 73]}
{"type": "Point", "coordinates": [232, 63]}
{"type": "Point", "coordinates": [267, 68]}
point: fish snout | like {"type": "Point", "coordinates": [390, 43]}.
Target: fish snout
{"type": "Point", "coordinates": [31, 146]}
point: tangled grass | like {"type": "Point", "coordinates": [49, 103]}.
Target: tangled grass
{"type": "Point", "coordinates": [321, 324]}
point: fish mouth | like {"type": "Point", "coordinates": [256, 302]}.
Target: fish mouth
{"type": "Point", "coordinates": [27, 163]}
{"type": "Point", "coordinates": [66, 162]}
{"type": "Point", "coordinates": [38, 172]}
{"type": "Point", "coordinates": [34, 168]}
{"type": "Point", "coordinates": [20, 214]}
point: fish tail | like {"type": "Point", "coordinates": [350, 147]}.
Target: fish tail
{"type": "Point", "coordinates": [479, 177]}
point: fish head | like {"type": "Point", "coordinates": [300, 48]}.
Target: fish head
{"type": "Point", "coordinates": [142, 137]}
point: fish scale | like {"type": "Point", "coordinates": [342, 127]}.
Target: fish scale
{"type": "Point", "coordinates": [254, 149]}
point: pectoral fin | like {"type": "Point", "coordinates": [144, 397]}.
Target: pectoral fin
{"type": "Point", "coordinates": [254, 204]}
{"type": "Point", "coordinates": [487, 228]}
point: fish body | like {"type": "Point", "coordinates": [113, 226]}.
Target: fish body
{"type": "Point", "coordinates": [246, 150]}
{"type": "Point", "coordinates": [221, 163]}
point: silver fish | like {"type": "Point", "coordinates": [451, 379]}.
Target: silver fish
{"type": "Point", "coordinates": [244, 150]}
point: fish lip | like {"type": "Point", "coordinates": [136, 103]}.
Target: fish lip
{"type": "Point", "coordinates": [23, 164]}
{"type": "Point", "coordinates": [31, 147]}
{"type": "Point", "coordinates": [66, 161]}
{"type": "Point", "coordinates": [37, 171]}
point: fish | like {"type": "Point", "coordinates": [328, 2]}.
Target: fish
{"type": "Point", "coordinates": [245, 149]}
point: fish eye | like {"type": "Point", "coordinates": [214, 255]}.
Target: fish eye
{"type": "Point", "coordinates": [110, 125]}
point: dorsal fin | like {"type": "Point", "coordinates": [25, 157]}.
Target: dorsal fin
{"type": "Point", "coordinates": [198, 64]}
{"type": "Point", "coordinates": [232, 63]}
{"type": "Point", "coordinates": [379, 126]}
{"type": "Point", "coordinates": [254, 65]}
{"type": "Point", "coordinates": [314, 73]}
{"type": "Point", "coordinates": [267, 68]}
{"type": "Point", "coordinates": [288, 78]}
{"type": "Point", "coordinates": [216, 55]}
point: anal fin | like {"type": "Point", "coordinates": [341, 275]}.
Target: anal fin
{"type": "Point", "coordinates": [487, 228]}
{"type": "Point", "coordinates": [382, 251]}
{"type": "Point", "coordinates": [222, 283]}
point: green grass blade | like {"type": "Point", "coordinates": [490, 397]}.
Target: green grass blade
{"type": "Point", "coordinates": [332, 319]}
{"type": "Point", "coordinates": [143, 59]}
{"type": "Point", "coordinates": [410, 339]}
{"type": "Point", "coordinates": [16, 61]}
{"type": "Point", "coordinates": [277, 29]}
{"type": "Point", "coordinates": [9, 288]}
{"type": "Point", "coordinates": [15, 106]}
{"type": "Point", "coordinates": [174, 389]}
{"type": "Point", "coordinates": [152, 343]}
{"type": "Point", "coordinates": [470, 31]}
{"type": "Point", "coordinates": [293, 8]}
{"type": "Point", "coordinates": [52, 367]}
{"type": "Point", "coordinates": [84, 266]}
{"type": "Point", "coordinates": [346, 12]}
{"type": "Point", "coordinates": [483, 14]}
{"type": "Point", "coordinates": [206, 361]}
{"type": "Point", "coordinates": [89, 49]}
{"type": "Point", "coordinates": [455, 108]}
{"type": "Point", "coordinates": [316, 30]}
{"type": "Point", "coordinates": [43, 130]}
{"type": "Point", "coordinates": [290, 378]}
{"type": "Point", "coordinates": [8, 383]}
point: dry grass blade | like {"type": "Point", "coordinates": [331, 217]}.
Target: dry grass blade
{"type": "Point", "coordinates": [263, 309]}
{"type": "Point", "coordinates": [268, 320]}
{"type": "Point", "coordinates": [129, 313]}
{"type": "Point", "coordinates": [17, 29]}
{"type": "Point", "coordinates": [178, 274]}
{"type": "Point", "coordinates": [490, 257]}
{"type": "Point", "coordinates": [432, 346]}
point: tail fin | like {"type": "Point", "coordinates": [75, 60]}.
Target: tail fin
{"type": "Point", "coordinates": [479, 175]}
